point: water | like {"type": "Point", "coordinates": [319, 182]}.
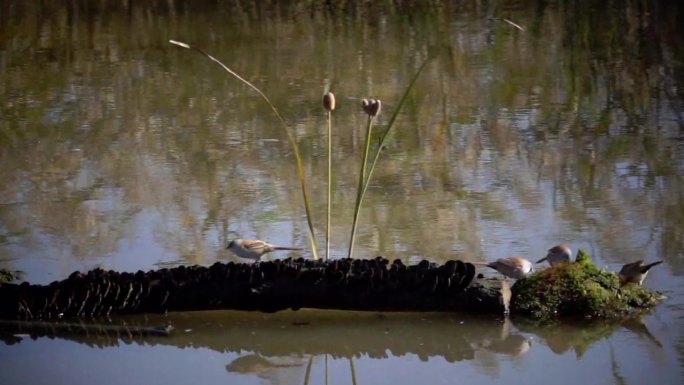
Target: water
{"type": "Point", "coordinates": [122, 151]}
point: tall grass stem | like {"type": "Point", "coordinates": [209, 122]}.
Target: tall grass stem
{"type": "Point", "coordinates": [364, 179]}
{"type": "Point", "coordinates": [362, 176]}
{"type": "Point", "coordinates": [327, 225]}
{"type": "Point", "coordinates": [389, 127]}
{"type": "Point", "coordinates": [291, 138]}
{"type": "Point", "coordinates": [329, 105]}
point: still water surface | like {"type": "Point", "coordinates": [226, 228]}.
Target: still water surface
{"type": "Point", "coordinates": [121, 151]}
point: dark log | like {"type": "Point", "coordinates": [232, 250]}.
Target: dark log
{"type": "Point", "coordinates": [343, 284]}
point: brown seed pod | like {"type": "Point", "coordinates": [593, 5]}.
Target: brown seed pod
{"type": "Point", "coordinates": [365, 103]}
{"type": "Point", "coordinates": [329, 101]}
{"type": "Point", "coordinates": [374, 108]}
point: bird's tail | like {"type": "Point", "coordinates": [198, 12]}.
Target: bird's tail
{"type": "Point", "coordinates": [646, 267]}
{"type": "Point", "coordinates": [482, 264]}
{"type": "Point", "coordinates": [287, 248]}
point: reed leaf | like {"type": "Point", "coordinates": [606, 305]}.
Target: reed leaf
{"type": "Point", "coordinates": [389, 127]}
{"type": "Point", "coordinates": [293, 142]}
{"type": "Point", "coordinates": [364, 179]}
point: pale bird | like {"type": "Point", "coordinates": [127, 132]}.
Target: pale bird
{"type": "Point", "coordinates": [635, 272]}
{"type": "Point", "coordinates": [557, 255]}
{"type": "Point", "coordinates": [254, 249]}
{"type": "Point", "coordinates": [513, 267]}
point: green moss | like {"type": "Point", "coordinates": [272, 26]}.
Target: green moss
{"type": "Point", "coordinates": [7, 276]}
{"type": "Point", "coordinates": [579, 290]}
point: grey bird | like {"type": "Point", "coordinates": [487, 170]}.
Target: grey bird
{"type": "Point", "coordinates": [254, 249]}
{"type": "Point", "coordinates": [635, 272]}
{"type": "Point", "coordinates": [557, 255]}
{"type": "Point", "coordinates": [513, 267]}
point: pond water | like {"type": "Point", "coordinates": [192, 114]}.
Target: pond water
{"type": "Point", "coordinates": [122, 151]}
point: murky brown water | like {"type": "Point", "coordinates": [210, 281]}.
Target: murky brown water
{"type": "Point", "coordinates": [121, 151]}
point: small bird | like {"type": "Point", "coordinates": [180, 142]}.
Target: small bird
{"type": "Point", "coordinates": [635, 272]}
{"type": "Point", "coordinates": [514, 267]}
{"type": "Point", "coordinates": [557, 255]}
{"type": "Point", "coordinates": [254, 249]}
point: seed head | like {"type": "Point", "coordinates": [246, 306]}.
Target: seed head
{"type": "Point", "coordinates": [329, 101]}
{"type": "Point", "coordinates": [364, 105]}
{"type": "Point", "coordinates": [374, 108]}
{"type": "Point", "coordinates": [371, 106]}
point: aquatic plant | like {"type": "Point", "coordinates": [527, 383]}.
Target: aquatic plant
{"type": "Point", "coordinates": [372, 109]}
{"type": "Point", "coordinates": [291, 138]}
{"type": "Point", "coordinates": [329, 105]}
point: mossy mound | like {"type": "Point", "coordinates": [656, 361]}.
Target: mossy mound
{"type": "Point", "coordinates": [579, 290]}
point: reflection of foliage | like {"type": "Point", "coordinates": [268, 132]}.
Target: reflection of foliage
{"type": "Point", "coordinates": [580, 110]}
{"type": "Point", "coordinates": [7, 276]}
{"type": "Point", "coordinates": [673, 225]}
{"type": "Point", "coordinates": [580, 290]}
{"type": "Point", "coordinates": [562, 336]}
{"type": "Point", "coordinates": [9, 235]}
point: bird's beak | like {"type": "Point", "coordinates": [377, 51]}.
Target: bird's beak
{"type": "Point", "coordinates": [542, 260]}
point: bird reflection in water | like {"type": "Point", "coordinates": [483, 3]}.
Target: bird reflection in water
{"type": "Point", "coordinates": [276, 370]}
{"type": "Point", "coordinates": [504, 341]}
{"type": "Point", "coordinates": [484, 342]}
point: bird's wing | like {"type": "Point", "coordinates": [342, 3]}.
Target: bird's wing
{"type": "Point", "coordinates": [556, 249]}
{"type": "Point", "coordinates": [561, 249]}
{"type": "Point", "coordinates": [254, 244]}
{"type": "Point", "coordinates": [510, 262]}
{"type": "Point", "coordinates": [631, 266]}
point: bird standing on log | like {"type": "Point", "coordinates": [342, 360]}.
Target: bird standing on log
{"type": "Point", "coordinates": [513, 267]}
{"type": "Point", "coordinates": [635, 272]}
{"type": "Point", "coordinates": [254, 249]}
{"type": "Point", "coordinates": [557, 255]}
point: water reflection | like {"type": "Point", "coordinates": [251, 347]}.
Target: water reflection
{"type": "Point", "coordinates": [128, 152]}
{"type": "Point", "coordinates": [261, 366]}
{"type": "Point", "coordinates": [283, 347]}
{"type": "Point", "coordinates": [305, 332]}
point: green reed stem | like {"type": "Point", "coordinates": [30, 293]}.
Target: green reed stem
{"type": "Point", "coordinates": [389, 127]}
{"type": "Point", "coordinates": [359, 191]}
{"type": "Point", "coordinates": [364, 183]}
{"type": "Point", "coordinates": [293, 142]}
{"type": "Point", "coordinates": [307, 374]}
{"type": "Point", "coordinates": [327, 226]}
{"type": "Point", "coordinates": [353, 370]}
